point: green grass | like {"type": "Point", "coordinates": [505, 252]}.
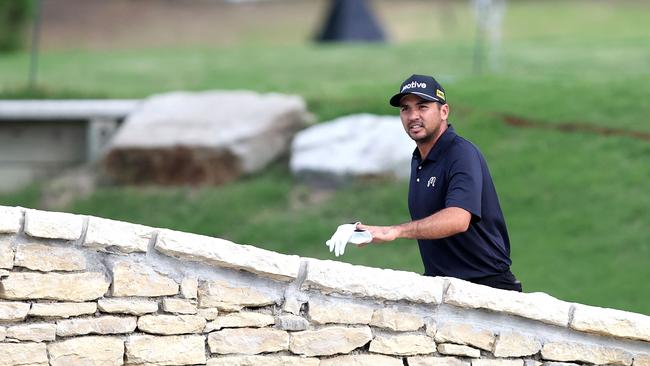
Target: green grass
{"type": "Point", "coordinates": [576, 204]}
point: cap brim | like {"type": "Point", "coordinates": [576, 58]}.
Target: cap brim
{"type": "Point", "coordinates": [395, 99]}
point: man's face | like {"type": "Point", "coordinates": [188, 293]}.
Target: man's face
{"type": "Point", "coordinates": [421, 118]}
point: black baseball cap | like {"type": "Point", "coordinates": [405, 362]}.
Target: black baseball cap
{"type": "Point", "coordinates": [426, 87]}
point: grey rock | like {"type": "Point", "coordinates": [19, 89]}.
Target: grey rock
{"type": "Point", "coordinates": [203, 138]}
{"type": "Point", "coordinates": [291, 322]}
{"type": "Point", "coordinates": [363, 145]}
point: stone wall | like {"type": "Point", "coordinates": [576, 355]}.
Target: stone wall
{"type": "Point", "coordinates": [79, 290]}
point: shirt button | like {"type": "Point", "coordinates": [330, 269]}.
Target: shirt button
{"type": "Point", "coordinates": [417, 180]}
{"type": "Point", "coordinates": [420, 167]}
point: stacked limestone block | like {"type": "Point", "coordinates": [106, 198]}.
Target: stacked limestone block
{"type": "Point", "coordinates": [77, 290]}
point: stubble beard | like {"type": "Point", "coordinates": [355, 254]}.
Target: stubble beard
{"type": "Point", "coordinates": [427, 138]}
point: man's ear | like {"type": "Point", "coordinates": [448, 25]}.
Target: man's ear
{"type": "Point", "coordinates": [444, 111]}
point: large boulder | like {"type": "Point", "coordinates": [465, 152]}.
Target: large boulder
{"type": "Point", "coordinates": [352, 147]}
{"type": "Point", "coordinates": [204, 137]}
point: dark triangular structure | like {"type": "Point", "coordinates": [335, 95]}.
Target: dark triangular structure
{"type": "Point", "coordinates": [350, 20]}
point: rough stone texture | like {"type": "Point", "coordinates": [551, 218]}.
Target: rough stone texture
{"type": "Point", "coordinates": [334, 151]}
{"type": "Point", "coordinates": [35, 332]}
{"type": "Point", "coordinates": [565, 351]}
{"type": "Point", "coordinates": [223, 253]}
{"type": "Point", "coordinates": [116, 236]}
{"type": "Point", "coordinates": [458, 350]}
{"type": "Point", "coordinates": [91, 350]}
{"type": "Point", "coordinates": [292, 305]}
{"type": "Point", "coordinates": [62, 309]}
{"type": "Point", "coordinates": [613, 322]}
{"type": "Point", "coordinates": [537, 306]}
{"type": "Point", "coordinates": [436, 361]}
{"type": "Point", "coordinates": [208, 313]}
{"type": "Point", "coordinates": [49, 258]}
{"type": "Point", "coordinates": [291, 322]}
{"type": "Point", "coordinates": [639, 360]}
{"type": "Point", "coordinates": [511, 344]}
{"type": "Point", "coordinates": [135, 279]}
{"type": "Point", "coordinates": [53, 225]}
{"type": "Point", "coordinates": [6, 255]}
{"type": "Point", "coordinates": [465, 334]}
{"type": "Point", "coordinates": [402, 344]}
{"type": "Point", "coordinates": [13, 311]}
{"type": "Point", "coordinates": [361, 360]}
{"type": "Point", "coordinates": [294, 299]}
{"type": "Point", "coordinates": [241, 320]}
{"type": "Point", "coordinates": [497, 362]}
{"type": "Point", "coordinates": [232, 296]}
{"type": "Point", "coordinates": [529, 362]}
{"type": "Point", "coordinates": [248, 341]}
{"type": "Point", "coordinates": [330, 276]}
{"type": "Point", "coordinates": [559, 364]}
{"type": "Point", "coordinates": [101, 325]}
{"type": "Point", "coordinates": [324, 310]}
{"type": "Point", "coordinates": [169, 350]}
{"type": "Point", "coordinates": [396, 319]}
{"type": "Point", "coordinates": [179, 306]}
{"type": "Point", "coordinates": [54, 286]}
{"type": "Point", "coordinates": [23, 354]}
{"type": "Point", "coordinates": [10, 218]}
{"type": "Point", "coordinates": [177, 138]}
{"type": "Point", "coordinates": [189, 287]}
{"type": "Point", "coordinates": [329, 341]}
{"type": "Point", "coordinates": [271, 360]}
{"type": "Point", "coordinates": [430, 327]}
{"type": "Point", "coordinates": [127, 306]}
{"type": "Point", "coordinates": [171, 324]}
{"type": "Point", "coordinates": [3, 333]}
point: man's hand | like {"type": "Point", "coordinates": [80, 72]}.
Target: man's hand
{"type": "Point", "coordinates": [345, 234]}
{"type": "Point", "coordinates": [381, 233]}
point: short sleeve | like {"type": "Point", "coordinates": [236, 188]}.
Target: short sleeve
{"type": "Point", "coordinates": [466, 183]}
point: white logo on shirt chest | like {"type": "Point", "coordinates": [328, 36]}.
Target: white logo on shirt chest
{"type": "Point", "coordinates": [431, 182]}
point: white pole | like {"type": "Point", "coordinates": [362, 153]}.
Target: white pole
{"type": "Point", "coordinates": [489, 19]}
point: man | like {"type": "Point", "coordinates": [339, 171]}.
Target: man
{"type": "Point", "coordinates": [457, 219]}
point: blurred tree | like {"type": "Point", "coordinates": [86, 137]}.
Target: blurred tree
{"type": "Point", "coordinates": [350, 20]}
{"type": "Point", "coordinates": [14, 17]}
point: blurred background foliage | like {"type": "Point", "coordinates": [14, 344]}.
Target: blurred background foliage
{"type": "Point", "coordinates": [15, 16]}
{"type": "Point", "coordinates": [575, 198]}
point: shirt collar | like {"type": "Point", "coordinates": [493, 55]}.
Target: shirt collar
{"type": "Point", "coordinates": [440, 146]}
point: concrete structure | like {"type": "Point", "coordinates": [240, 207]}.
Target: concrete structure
{"type": "Point", "coordinates": [77, 290]}
{"type": "Point", "coordinates": [39, 138]}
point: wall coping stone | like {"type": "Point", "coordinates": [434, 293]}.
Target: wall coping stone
{"type": "Point", "coordinates": [53, 225]}
{"type": "Point", "coordinates": [537, 305]}
{"type": "Point", "coordinates": [338, 277]}
{"type": "Point", "coordinates": [123, 237]}
{"type": "Point", "coordinates": [224, 253]}
{"type": "Point", "coordinates": [611, 322]}
{"type": "Point", "coordinates": [10, 219]}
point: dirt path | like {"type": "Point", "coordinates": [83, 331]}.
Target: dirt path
{"type": "Point", "coordinates": [573, 127]}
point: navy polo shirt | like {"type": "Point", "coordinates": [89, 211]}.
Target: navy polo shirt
{"type": "Point", "coordinates": [455, 174]}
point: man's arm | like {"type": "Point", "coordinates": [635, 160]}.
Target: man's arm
{"type": "Point", "coordinates": [446, 222]}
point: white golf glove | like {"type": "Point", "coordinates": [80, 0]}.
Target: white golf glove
{"type": "Point", "coordinates": [345, 234]}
